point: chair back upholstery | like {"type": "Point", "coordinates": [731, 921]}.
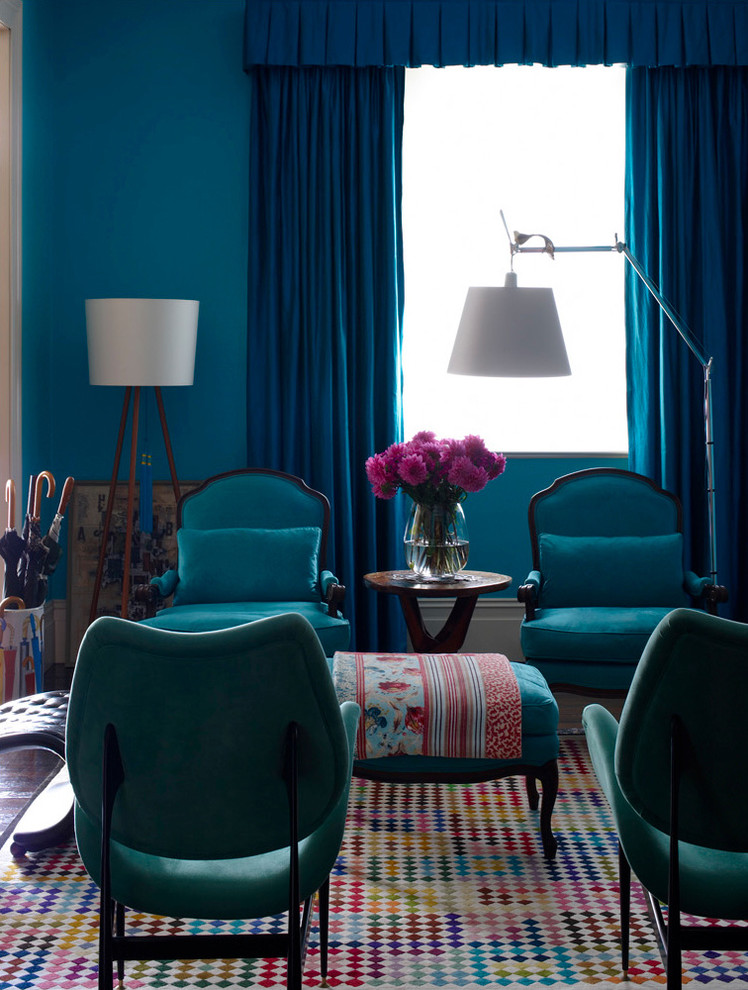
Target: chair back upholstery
{"type": "Point", "coordinates": [201, 720]}
{"type": "Point", "coordinates": [694, 666]}
{"type": "Point", "coordinates": [607, 538]}
{"type": "Point", "coordinates": [255, 498]}
{"type": "Point", "coordinates": [603, 502]}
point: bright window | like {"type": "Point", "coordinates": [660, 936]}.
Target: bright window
{"type": "Point", "coordinates": [547, 147]}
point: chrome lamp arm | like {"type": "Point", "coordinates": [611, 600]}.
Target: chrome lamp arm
{"type": "Point", "coordinates": [518, 245]}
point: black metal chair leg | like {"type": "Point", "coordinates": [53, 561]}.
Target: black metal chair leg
{"type": "Point", "coordinates": [293, 978]}
{"type": "Point", "coordinates": [119, 922]}
{"type": "Point", "coordinates": [105, 943]}
{"type": "Point", "coordinates": [324, 926]}
{"type": "Point", "coordinates": [674, 976]}
{"type": "Point", "coordinates": [624, 901]}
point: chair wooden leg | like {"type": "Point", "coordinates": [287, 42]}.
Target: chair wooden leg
{"type": "Point", "coordinates": [624, 901]}
{"type": "Point", "coordinates": [532, 792]}
{"type": "Point", "coordinates": [548, 775]}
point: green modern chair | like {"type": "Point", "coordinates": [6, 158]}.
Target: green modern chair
{"type": "Point", "coordinates": [607, 552]}
{"type": "Point", "coordinates": [674, 774]}
{"type": "Point", "coordinates": [251, 543]}
{"type": "Point", "coordinates": [222, 762]}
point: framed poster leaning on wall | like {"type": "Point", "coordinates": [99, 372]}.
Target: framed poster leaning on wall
{"type": "Point", "coordinates": [152, 553]}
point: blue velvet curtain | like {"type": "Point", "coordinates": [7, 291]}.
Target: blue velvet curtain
{"type": "Point", "coordinates": [325, 307]}
{"type": "Point", "coordinates": [686, 222]}
{"type": "Point", "coordinates": [496, 32]}
{"type": "Point", "coordinates": [325, 278]}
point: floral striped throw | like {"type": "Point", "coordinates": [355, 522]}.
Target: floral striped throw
{"type": "Point", "coordinates": [432, 704]}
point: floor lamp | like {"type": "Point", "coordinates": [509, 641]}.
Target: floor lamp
{"type": "Point", "coordinates": [136, 343]}
{"type": "Point", "coordinates": [510, 332]}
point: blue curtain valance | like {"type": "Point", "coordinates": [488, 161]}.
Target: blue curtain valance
{"type": "Point", "coordinates": [495, 32]}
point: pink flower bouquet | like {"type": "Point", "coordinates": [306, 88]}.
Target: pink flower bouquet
{"type": "Point", "coordinates": [434, 472]}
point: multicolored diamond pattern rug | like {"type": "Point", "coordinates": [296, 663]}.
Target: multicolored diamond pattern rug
{"type": "Point", "coordinates": [437, 886]}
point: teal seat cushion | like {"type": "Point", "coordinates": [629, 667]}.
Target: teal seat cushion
{"type": "Point", "coordinates": [243, 565]}
{"type": "Point", "coordinates": [616, 571]}
{"type": "Point", "coordinates": [539, 735]}
{"type": "Point", "coordinates": [231, 888]}
{"type": "Point", "coordinates": [603, 635]}
{"type": "Point", "coordinates": [334, 632]}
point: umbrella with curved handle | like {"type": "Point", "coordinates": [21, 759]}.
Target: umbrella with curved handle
{"type": "Point", "coordinates": [52, 540]}
{"type": "Point", "coordinates": [32, 561]}
{"type": "Point", "coordinates": [11, 545]}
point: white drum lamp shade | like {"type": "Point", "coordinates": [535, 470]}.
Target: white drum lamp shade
{"type": "Point", "coordinates": [141, 341]}
{"type": "Point", "coordinates": [509, 332]}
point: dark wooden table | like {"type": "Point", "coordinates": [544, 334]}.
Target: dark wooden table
{"type": "Point", "coordinates": [465, 589]}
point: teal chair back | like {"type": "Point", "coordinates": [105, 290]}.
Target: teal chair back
{"type": "Point", "coordinates": [603, 502]}
{"type": "Point", "coordinates": [694, 667]}
{"type": "Point", "coordinates": [673, 771]}
{"type": "Point", "coordinates": [201, 721]}
{"type": "Point", "coordinates": [256, 497]}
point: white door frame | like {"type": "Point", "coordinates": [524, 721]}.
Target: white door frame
{"type": "Point", "coordinates": [11, 16]}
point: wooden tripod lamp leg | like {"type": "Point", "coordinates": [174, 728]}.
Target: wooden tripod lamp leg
{"type": "Point", "coordinates": [167, 442]}
{"type": "Point", "coordinates": [130, 504]}
{"type": "Point", "coordinates": [109, 507]}
{"type": "Point", "coordinates": [130, 494]}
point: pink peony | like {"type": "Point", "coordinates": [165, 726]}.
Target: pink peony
{"type": "Point", "coordinates": [467, 475]}
{"type": "Point", "coordinates": [497, 466]}
{"type": "Point", "coordinates": [434, 471]}
{"type": "Point", "coordinates": [413, 469]}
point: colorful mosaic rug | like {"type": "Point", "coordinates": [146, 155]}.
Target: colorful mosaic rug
{"type": "Point", "coordinates": [436, 886]}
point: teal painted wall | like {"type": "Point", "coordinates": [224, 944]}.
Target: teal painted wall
{"type": "Point", "coordinates": [135, 129]}
{"type": "Point", "coordinates": [135, 125]}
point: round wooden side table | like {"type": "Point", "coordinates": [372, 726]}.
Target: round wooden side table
{"type": "Point", "coordinates": [464, 588]}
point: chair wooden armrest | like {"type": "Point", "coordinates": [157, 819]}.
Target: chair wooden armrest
{"type": "Point", "coordinates": [714, 595]}
{"type": "Point", "coordinates": [149, 595]}
{"type": "Point", "coordinates": [334, 598]}
{"type": "Point", "coordinates": [528, 595]}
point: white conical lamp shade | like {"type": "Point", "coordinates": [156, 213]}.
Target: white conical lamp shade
{"type": "Point", "coordinates": [141, 341]}
{"type": "Point", "coordinates": [509, 332]}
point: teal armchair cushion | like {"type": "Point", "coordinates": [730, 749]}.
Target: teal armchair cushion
{"type": "Point", "coordinates": [242, 565]}
{"type": "Point", "coordinates": [604, 571]}
{"type": "Point", "coordinates": [334, 632]}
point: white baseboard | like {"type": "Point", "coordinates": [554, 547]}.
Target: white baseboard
{"type": "Point", "coordinates": [494, 627]}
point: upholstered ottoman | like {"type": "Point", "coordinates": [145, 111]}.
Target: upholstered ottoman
{"type": "Point", "coordinates": [38, 722]}
{"type": "Point", "coordinates": [439, 717]}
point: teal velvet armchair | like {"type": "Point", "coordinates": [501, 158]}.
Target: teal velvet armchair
{"type": "Point", "coordinates": [673, 772]}
{"type": "Point", "coordinates": [211, 775]}
{"type": "Point", "coordinates": [251, 544]}
{"type": "Point", "coordinates": [607, 551]}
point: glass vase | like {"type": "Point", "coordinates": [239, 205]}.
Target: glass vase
{"type": "Point", "coordinates": [436, 541]}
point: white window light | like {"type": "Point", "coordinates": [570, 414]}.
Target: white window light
{"type": "Point", "coordinates": [547, 146]}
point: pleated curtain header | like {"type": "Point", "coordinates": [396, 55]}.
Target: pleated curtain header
{"type": "Point", "coordinates": [495, 32]}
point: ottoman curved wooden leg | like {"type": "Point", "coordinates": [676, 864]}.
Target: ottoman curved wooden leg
{"type": "Point", "coordinates": [532, 792]}
{"type": "Point", "coordinates": [548, 777]}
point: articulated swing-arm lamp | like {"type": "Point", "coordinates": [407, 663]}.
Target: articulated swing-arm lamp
{"type": "Point", "coordinates": [518, 245]}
